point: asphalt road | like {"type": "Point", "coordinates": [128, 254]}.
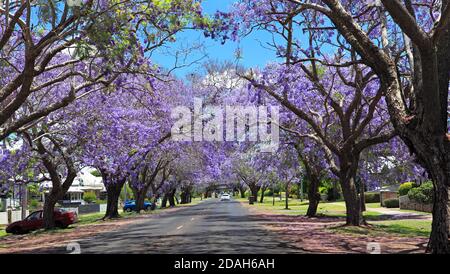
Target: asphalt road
{"type": "Point", "coordinates": [212, 227]}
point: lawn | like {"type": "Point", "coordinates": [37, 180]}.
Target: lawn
{"type": "Point", "coordinates": [2, 231]}
{"type": "Point", "coordinates": [378, 223]}
{"type": "Point", "coordinates": [405, 228]}
{"type": "Point", "coordinates": [84, 219]}
{"type": "Point", "coordinates": [193, 202]}
{"type": "Point", "coordinates": [297, 207]}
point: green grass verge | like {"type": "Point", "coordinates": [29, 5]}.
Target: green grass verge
{"type": "Point", "coordinates": [92, 218]}
{"type": "Point", "coordinates": [2, 231]}
{"type": "Point", "coordinates": [297, 207]}
{"type": "Point", "coordinates": [84, 219]}
{"type": "Point", "coordinates": [373, 205]}
{"type": "Point", "coordinates": [330, 209]}
{"type": "Point", "coordinates": [380, 226]}
{"type": "Point", "coordinates": [404, 228]}
{"type": "Point", "coordinates": [194, 201]}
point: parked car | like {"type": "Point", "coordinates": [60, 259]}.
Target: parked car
{"type": "Point", "coordinates": [225, 197]}
{"type": "Point", "coordinates": [131, 206]}
{"type": "Point", "coordinates": [35, 221]}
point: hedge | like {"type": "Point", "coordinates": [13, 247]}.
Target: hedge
{"type": "Point", "coordinates": [371, 197]}
{"type": "Point", "coordinates": [405, 188]}
{"type": "Point", "coordinates": [392, 203]}
{"type": "Point", "coordinates": [422, 194]}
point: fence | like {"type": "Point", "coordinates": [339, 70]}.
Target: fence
{"type": "Point", "coordinates": [406, 203]}
{"type": "Point", "coordinates": [16, 215]}
{"type": "Point", "coordinates": [86, 209]}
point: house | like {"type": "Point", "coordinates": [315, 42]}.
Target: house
{"type": "Point", "coordinates": [388, 192]}
{"type": "Point", "coordinates": [84, 182]}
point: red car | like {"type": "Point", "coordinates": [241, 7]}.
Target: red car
{"type": "Point", "coordinates": [35, 221]}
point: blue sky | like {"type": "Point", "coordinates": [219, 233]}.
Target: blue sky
{"type": "Point", "coordinates": [253, 54]}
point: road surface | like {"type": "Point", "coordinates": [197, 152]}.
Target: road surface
{"type": "Point", "coordinates": [212, 227]}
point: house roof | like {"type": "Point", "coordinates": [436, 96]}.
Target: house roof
{"type": "Point", "coordinates": [84, 181]}
{"type": "Point", "coordinates": [392, 188]}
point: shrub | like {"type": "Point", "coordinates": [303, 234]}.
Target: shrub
{"type": "Point", "coordinates": [34, 203]}
{"type": "Point", "coordinates": [392, 203]}
{"type": "Point", "coordinates": [323, 190]}
{"type": "Point", "coordinates": [268, 193]}
{"type": "Point", "coordinates": [405, 188]}
{"type": "Point", "coordinates": [372, 197]}
{"type": "Point", "coordinates": [129, 192]}
{"type": "Point", "coordinates": [422, 194]}
{"type": "Point", "coordinates": [293, 189]}
{"type": "Point", "coordinates": [89, 197]}
{"type": "Point", "coordinates": [332, 196]}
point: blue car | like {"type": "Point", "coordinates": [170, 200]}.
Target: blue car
{"type": "Point", "coordinates": [131, 206]}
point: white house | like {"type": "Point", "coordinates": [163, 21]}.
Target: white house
{"type": "Point", "coordinates": [84, 182]}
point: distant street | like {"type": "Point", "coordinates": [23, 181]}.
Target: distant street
{"type": "Point", "coordinates": [209, 227]}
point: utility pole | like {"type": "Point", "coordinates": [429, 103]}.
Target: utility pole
{"type": "Point", "coordinates": [125, 192]}
{"type": "Point", "coordinates": [273, 194]}
{"type": "Point", "coordinates": [24, 200]}
{"type": "Point", "coordinates": [301, 190]}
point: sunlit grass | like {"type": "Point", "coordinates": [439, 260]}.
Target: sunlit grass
{"type": "Point", "coordinates": [373, 205]}
{"type": "Point", "coordinates": [194, 201]}
{"type": "Point", "coordinates": [410, 227]}
{"type": "Point", "coordinates": [298, 207]}
{"type": "Point", "coordinates": [404, 228]}
{"type": "Point", "coordinates": [2, 231]}
{"type": "Point", "coordinates": [89, 218]}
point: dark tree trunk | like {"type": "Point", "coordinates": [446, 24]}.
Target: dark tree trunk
{"type": "Point", "coordinates": [362, 197]}
{"type": "Point", "coordinates": [59, 188]}
{"type": "Point", "coordinates": [55, 195]}
{"type": "Point", "coordinates": [254, 190]}
{"type": "Point", "coordinates": [112, 204]}
{"type": "Point", "coordinates": [335, 190]}
{"type": "Point", "coordinates": [154, 200]}
{"type": "Point", "coordinates": [140, 195]}
{"type": "Point", "coordinates": [186, 195]}
{"type": "Point", "coordinates": [140, 200]}
{"type": "Point", "coordinates": [352, 203]}
{"type": "Point", "coordinates": [313, 176]}
{"type": "Point", "coordinates": [440, 225]}
{"type": "Point", "coordinates": [49, 208]}
{"type": "Point", "coordinates": [273, 196]}
{"type": "Point", "coordinates": [183, 197]}
{"type": "Point", "coordinates": [171, 198]}
{"type": "Point", "coordinates": [428, 139]}
{"type": "Point", "coordinates": [348, 171]}
{"type": "Point", "coordinates": [440, 234]}
{"type": "Point", "coordinates": [164, 201]}
{"type": "Point", "coordinates": [438, 167]}
{"type": "Point", "coordinates": [287, 197]}
{"type": "Point", "coordinates": [242, 192]}
{"type": "Point", "coordinates": [263, 189]}
{"type": "Point", "coordinates": [425, 133]}
{"type": "Point", "coordinates": [313, 195]}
